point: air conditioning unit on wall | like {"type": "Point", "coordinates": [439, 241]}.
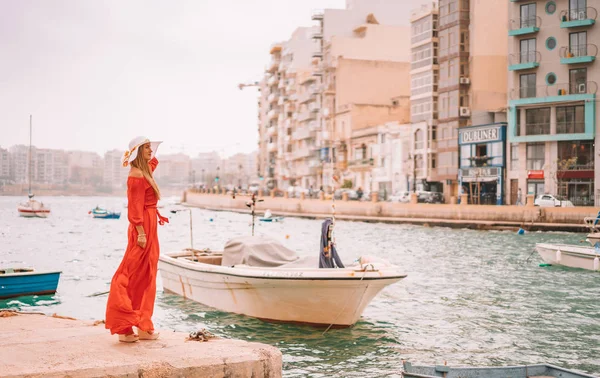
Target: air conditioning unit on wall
{"type": "Point", "coordinates": [581, 88]}
{"type": "Point", "coordinates": [464, 111]}
{"type": "Point", "coordinates": [464, 80]}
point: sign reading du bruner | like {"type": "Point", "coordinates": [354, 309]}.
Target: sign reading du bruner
{"type": "Point", "coordinates": [479, 135]}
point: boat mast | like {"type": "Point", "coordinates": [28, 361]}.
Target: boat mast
{"type": "Point", "coordinates": [29, 165]}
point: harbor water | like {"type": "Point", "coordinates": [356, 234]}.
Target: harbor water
{"type": "Point", "coordinates": [470, 298]}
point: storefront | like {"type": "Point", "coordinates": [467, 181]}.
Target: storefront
{"type": "Point", "coordinates": [482, 163]}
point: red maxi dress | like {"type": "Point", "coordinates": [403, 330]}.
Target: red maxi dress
{"type": "Point", "coordinates": [133, 287]}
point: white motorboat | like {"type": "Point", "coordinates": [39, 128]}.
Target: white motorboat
{"type": "Point", "coordinates": [33, 208]}
{"type": "Point", "coordinates": [261, 278]}
{"type": "Point", "coordinates": [569, 255]}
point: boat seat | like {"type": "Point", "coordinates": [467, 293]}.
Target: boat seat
{"type": "Point", "coordinates": [213, 260]}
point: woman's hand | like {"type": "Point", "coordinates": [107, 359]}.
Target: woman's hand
{"type": "Point", "coordinates": [141, 240]}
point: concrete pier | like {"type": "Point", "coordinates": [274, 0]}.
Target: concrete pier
{"type": "Point", "coordinates": [43, 346]}
{"type": "Point", "coordinates": [484, 217]}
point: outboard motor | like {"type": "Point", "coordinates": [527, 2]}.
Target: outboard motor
{"type": "Point", "coordinates": [328, 256]}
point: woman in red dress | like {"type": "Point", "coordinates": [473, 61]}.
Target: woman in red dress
{"type": "Point", "coordinates": [133, 287]}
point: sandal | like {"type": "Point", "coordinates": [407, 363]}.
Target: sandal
{"type": "Point", "coordinates": [152, 335]}
{"type": "Point", "coordinates": [131, 338]}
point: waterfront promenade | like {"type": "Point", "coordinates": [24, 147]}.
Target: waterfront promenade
{"type": "Point", "coordinates": [42, 346]}
{"type": "Point", "coordinates": [486, 217]}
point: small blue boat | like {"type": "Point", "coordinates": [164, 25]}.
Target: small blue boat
{"type": "Point", "coordinates": [25, 281]}
{"type": "Point", "coordinates": [525, 371]}
{"type": "Point", "coordinates": [104, 214]}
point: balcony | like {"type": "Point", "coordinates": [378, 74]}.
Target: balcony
{"type": "Point", "coordinates": [317, 15]}
{"type": "Point", "coordinates": [271, 131]}
{"type": "Point", "coordinates": [578, 54]}
{"type": "Point", "coordinates": [305, 116]}
{"type": "Point", "coordinates": [272, 147]}
{"type": "Point", "coordinates": [317, 35]}
{"type": "Point", "coordinates": [314, 107]}
{"type": "Point", "coordinates": [317, 54]}
{"type": "Point", "coordinates": [272, 114]}
{"type": "Point", "coordinates": [273, 80]}
{"type": "Point", "coordinates": [281, 100]}
{"type": "Point", "coordinates": [305, 97]}
{"type": "Point", "coordinates": [564, 89]}
{"type": "Point", "coordinates": [575, 18]}
{"type": "Point", "coordinates": [303, 133]}
{"type": "Point", "coordinates": [302, 153]}
{"type": "Point", "coordinates": [524, 26]}
{"type": "Point", "coordinates": [524, 60]}
{"type": "Point", "coordinates": [273, 97]}
{"type": "Point", "coordinates": [314, 125]}
{"type": "Point", "coordinates": [361, 163]}
{"type": "Point", "coordinates": [273, 65]}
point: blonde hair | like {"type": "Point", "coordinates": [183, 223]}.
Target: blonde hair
{"type": "Point", "coordinates": [140, 163]}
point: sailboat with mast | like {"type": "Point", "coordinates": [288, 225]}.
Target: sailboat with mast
{"type": "Point", "coordinates": [32, 208]}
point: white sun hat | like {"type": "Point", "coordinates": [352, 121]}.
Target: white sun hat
{"type": "Point", "coordinates": [134, 144]}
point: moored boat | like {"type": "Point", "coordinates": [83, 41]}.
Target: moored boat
{"type": "Point", "coordinates": [523, 371]}
{"type": "Point", "coordinates": [26, 281]}
{"type": "Point", "coordinates": [573, 256]}
{"type": "Point", "coordinates": [104, 214]}
{"type": "Point", "coordinates": [261, 278]}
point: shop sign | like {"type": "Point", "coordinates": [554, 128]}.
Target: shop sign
{"type": "Point", "coordinates": [482, 135]}
{"type": "Point", "coordinates": [535, 174]}
{"type": "Point", "coordinates": [479, 174]}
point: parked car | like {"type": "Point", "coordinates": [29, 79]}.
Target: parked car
{"type": "Point", "coordinates": [400, 196]}
{"type": "Point", "coordinates": [253, 188]}
{"type": "Point", "coordinates": [430, 197]}
{"type": "Point", "coordinates": [548, 200]}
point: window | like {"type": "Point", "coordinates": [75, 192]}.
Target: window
{"type": "Point", "coordinates": [577, 10]}
{"type": "Point", "coordinates": [578, 80]}
{"type": "Point", "coordinates": [536, 154]}
{"type": "Point", "coordinates": [527, 51]}
{"type": "Point", "coordinates": [382, 138]}
{"type": "Point", "coordinates": [514, 157]}
{"type": "Point", "coordinates": [528, 18]}
{"type": "Point", "coordinates": [578, 44]}
{"type": "Point", "coordinates": [537, 121]}
{"type": "Point", "coordinates": [419, 142]}
{"type": "Point", "coordinates": [527, 86]}
{"type": "Point", "coordinates": [465, 155]}
{"type": "Point", "coordinates": [433, 160]}
{"type": "Point", "coordinates": [434, 132]}
{"type": "Point", "coordinates": [582, 151]}
{"type": "Point", "coordinates": [570, 119]}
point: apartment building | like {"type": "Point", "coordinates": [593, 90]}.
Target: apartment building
{"type": "Point", "coordinates": [85, 167]}
{"type": "Point", "coordinates": [468, 95]}
{"type": "Point", "coordinates": [424, 82]}
{"type": "Point", "coordinates": [175, 171]}
{"type": "Point", "coordinates": [362, 69]}
{"type": "Point", "coordinates": [552, 114]}
{"type": "Point", "coordinates": [4, 165]}
{"type": "Point", "coordinates": [205, 167]}
{"type": "Point", "coordinates": [115, 175]}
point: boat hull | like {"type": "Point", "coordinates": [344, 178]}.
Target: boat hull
{"type": "Point", "coordinates": [318, 297]}
{"type": "Point", "coordinates": [107, 216]}
{"type": "Point", "coordinates": [31, 283]}
{"type": "Point", "coordinates": [30, 213]}
{"type": "Point", "coordinates": [569, 255]}
{"type": "Point", "coordinates": [528, 371]}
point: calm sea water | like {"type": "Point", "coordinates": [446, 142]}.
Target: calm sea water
{"type": "Point", "coordinates": [470, 298]}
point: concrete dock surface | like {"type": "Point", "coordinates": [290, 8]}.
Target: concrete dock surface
{"type": "Point", "coordinates": [34, 345]}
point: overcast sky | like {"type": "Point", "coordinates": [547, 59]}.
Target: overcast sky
{"type": "Point", "coordinates": [94, 74]}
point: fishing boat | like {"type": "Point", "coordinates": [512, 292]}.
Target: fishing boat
{"type": "Point", "coordinates": [26, 281]}
{"type": "Point", "coordinates": [32, 208]}
{"type": "Point", "coordinates": [101, 213]}
{"type": "Point", "coordinates": [268, 217]}
{"type": "Point", "coordinates": [593, 223]}
{"type": "Point", "coordinates": [524, 371]}
{"type": "Point", "coordinates": [573, 256]}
